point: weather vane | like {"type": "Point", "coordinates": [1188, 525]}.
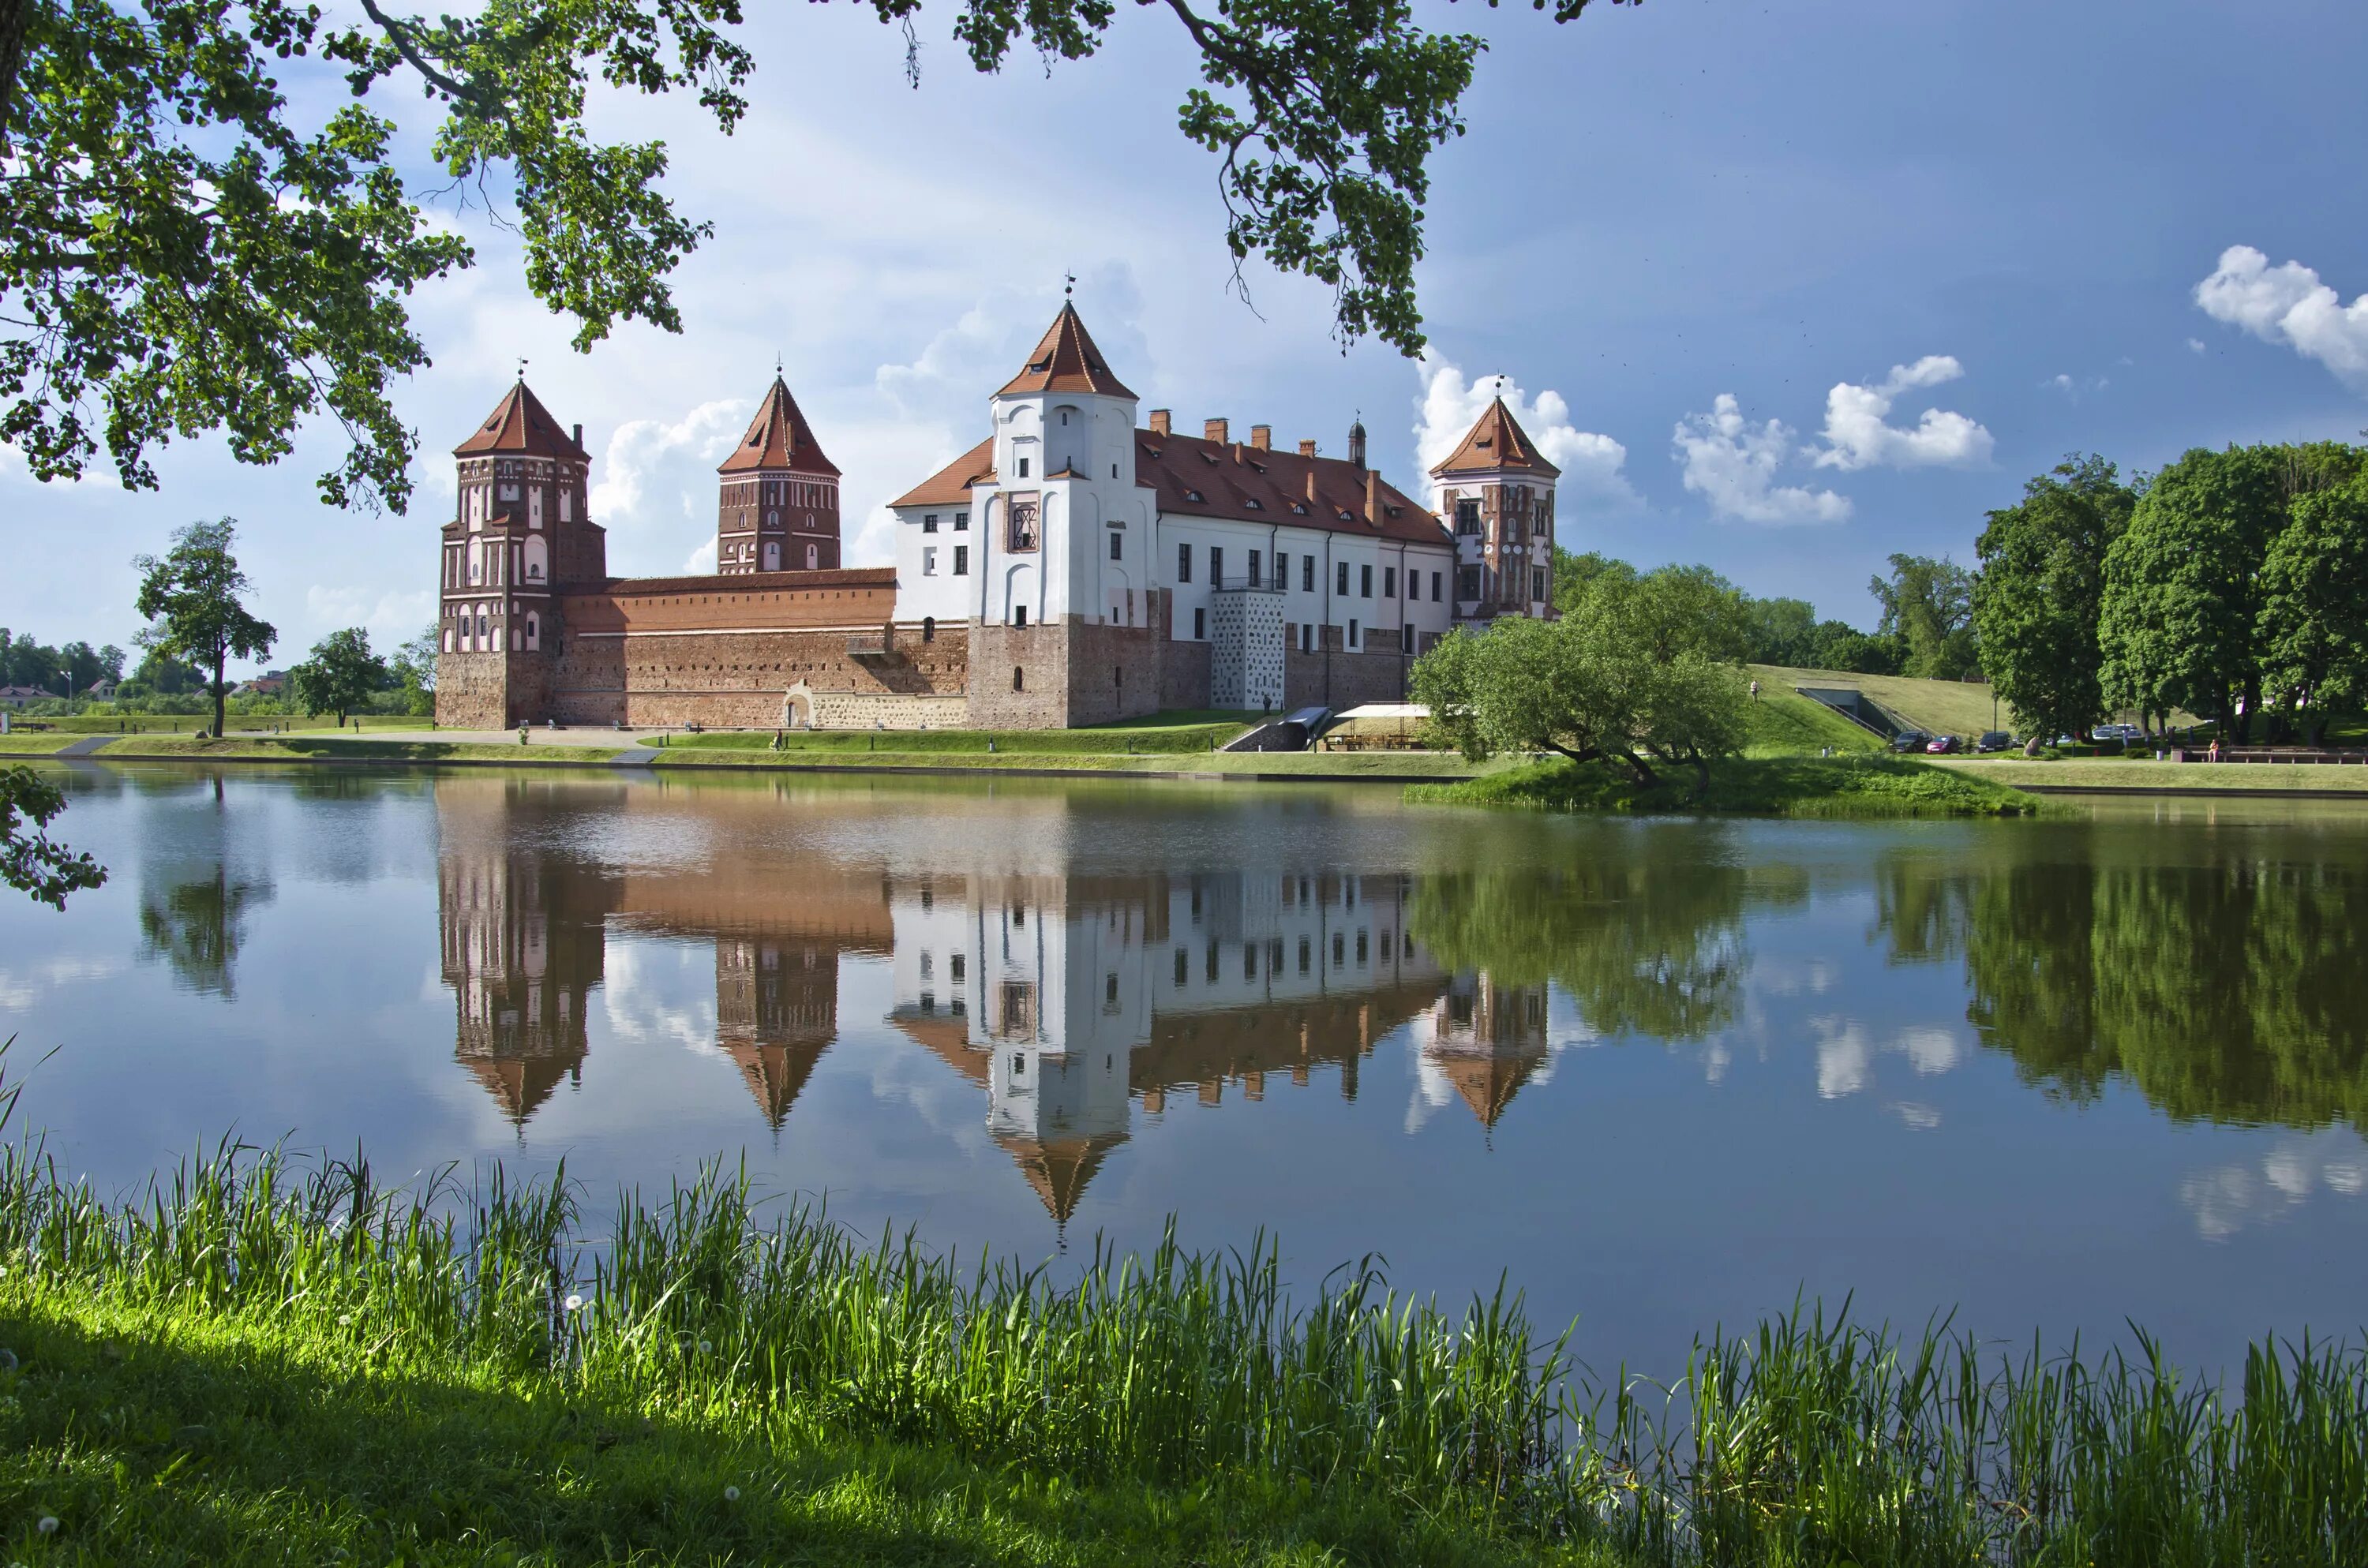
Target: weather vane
{"type": "Point", "coordinates": [521, 367]}
{"type": "Point", "coordinates": [1069, 288]}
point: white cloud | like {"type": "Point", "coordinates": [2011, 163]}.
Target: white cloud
{"type": "Point", "coordinates": [2226, 1199]}
{"type": "Point", "coordinates": [660, 474]}
{"type": "Point", "coordinates": [1449, 405]}
{"type": "Point", "coordinates": [1734, 464]}
{"type": "Point", "coordinates": [1858, 432]}
{"type": "Point", "coordinates": [2195, 346]}
{"type": "Point", "coordinates": [700, 561]}
{"type": "Point", "coordinates": [2288, 305]}
{"type": "Point", "coordinates": [392, 618]}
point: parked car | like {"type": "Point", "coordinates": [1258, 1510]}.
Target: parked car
{"type": "Point", "coordinates": [1940, 746]}
{"type": "Point", "coordinates": [2124, 734]}
{"type": "Point", "coordinates": [1910, 740]}
{"type": "Point", "coordinates": [1994, 740]}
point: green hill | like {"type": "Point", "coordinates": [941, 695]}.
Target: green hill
{"type": "Point", "coordinates": [1785, 723]}
{"type": "Point", "coordinates": [1941, 707]}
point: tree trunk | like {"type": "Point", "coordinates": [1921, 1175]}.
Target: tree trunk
{"type": "Point", "coordinates": [1645, 774]}
{"type": "Point", "coordinates": [218, 669]}
{"type": "Point", "coordinates": [15, 20]}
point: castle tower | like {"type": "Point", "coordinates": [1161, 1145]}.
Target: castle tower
{"type": "Point", "coordinates": [1064, 467]}
{"type": "Point", "coordinates": [777, 499]}
{"type": "Point", "coordinates": [519, 537]}
{"type": "Point", "coordinates": [1497, 491]}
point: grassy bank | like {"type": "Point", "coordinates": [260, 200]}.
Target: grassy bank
{"type": "Point", "coordinates": [304, 748]}
{"type": "Point", "coordinates": [2115, 773]}
{"type": "Point", "coordinates": [33, 742]}
{"type": "Point", "coordinates": [258, 1362]}
{"type": "Point", "coordinates": [1312, 764]}
{"type": "Point", "coordinates": [1194, 734]}
{"type": "Point", "coordinates": [1859, 786]}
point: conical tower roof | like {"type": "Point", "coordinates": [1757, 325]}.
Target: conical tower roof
{"type": "Point", "coordinates": [1065, 359]}
{"type": "Point", "coordinates": [775, 1073]}
{"type": "Point", "coordinates": [1495, 441]}
{"type": "Point", "coordinates": [778, 438]}
{"type": "Point", "coordinates": [520, 425]}
{"type": "Point", "coordinates": [1059, 1170]}
{"type": "Point", "coordinates": [1486, 1081]}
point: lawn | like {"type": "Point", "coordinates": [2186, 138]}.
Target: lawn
{"type": "Point", "coordinates": [2089, 773]}
{"type": "Point", "coordinates": [325, 748]}
{"type": "Point", "coordinates": [33, 742]}
{"type": "Point", "coordinates": [1784, 723]}
{"type": "Point", "coordinates": [1941, 707]}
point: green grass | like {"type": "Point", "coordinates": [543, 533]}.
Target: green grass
{"type": "Point", "coordinates": [260, 1361]}
{"type": "Point", "coordinates": [297, 748]}
{"type": "Point", "coordinates": [1863, 785]}
{"type": "Point", "coordinates": [2144, 772]}
{"type": "Point", "coordinates": [19, 743]}
{"type": "Point", "coordinates": [103, 723]}
{"type": "Point", "coordinates": [1782, 722]}
{"type": "Point", "coordinates": [1316, 765]}
{"type": "Point", "coordinates": [1940, 707]}
{"type": "Point", "coordinates": [1166, 739]}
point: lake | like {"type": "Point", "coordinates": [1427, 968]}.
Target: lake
{"type": "Point", "coordinates": [1660, 1074]}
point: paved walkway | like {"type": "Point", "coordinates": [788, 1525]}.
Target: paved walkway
{"type": "Point", "coordinates": [86, 745]}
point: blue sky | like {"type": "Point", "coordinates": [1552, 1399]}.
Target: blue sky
{"type": "Point", "coordinates": [1667, 226]}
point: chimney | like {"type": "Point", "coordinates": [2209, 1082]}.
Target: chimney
{"type": "Point", "coordinates": [1307, 448]}
{"type": "Point", "coordinates": [579, 437]}
{"type": "Point", "coordinates": [1357, 444]}
{"type": "Point", "coordinates": [1214, 430]}
{"type": "Point", "coordinates": [1159, 422]}
{"type": "Point", "coordinates": [1372, 498]}
{"type": "Point", "coordinates": [1262, 437]}
{"type": "Point", "coordinates": [1311, 485]}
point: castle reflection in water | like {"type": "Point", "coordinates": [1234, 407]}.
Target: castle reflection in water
{"type": "Point", "coordinates": [1067, 996]}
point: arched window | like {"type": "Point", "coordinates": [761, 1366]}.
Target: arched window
{"type": "Point", "coordinates": [538, 558]}
{"type": "Point", "coordinates": [929, 629]}
{"type": "Point", "coordinates": [772, 555]}
{"type": "Point", "coordinates": [448, 639]}
{"type": "Point", "coordinates": [1019, 678]}
{"type": "Point", "coordinates": [484, 626]}
{"type": "Point", "coordinates": [772, 519]}
{"type": "Point", "coordinates": [533, 632]}
{"type": "Point", "coordinates": [814, 558]}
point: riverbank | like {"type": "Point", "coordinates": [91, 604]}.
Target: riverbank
{"type": "Point", "coordinates": [1857, 785]}
{"type": "Point", "coordinates": [2143, 774]}
{"type": "Point", "coordinates": [258, 1361]}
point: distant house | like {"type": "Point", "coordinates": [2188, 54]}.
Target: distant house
{"type": "Point", "coordinates": [100, 691]}
{"type": "Point", "coordinates": [270, 683]}
{"type": "Point", "coordinates": [17, 695]}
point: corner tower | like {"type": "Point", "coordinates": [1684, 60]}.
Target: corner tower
{"type": "Point", "coordinates": [1497, 491]}
{"type": "Point", "coordinates": [520, 539]}
{"type": "Point", "coordinates": [1064, 479]}
{"type": "Point", "coordinates": [777, 500]}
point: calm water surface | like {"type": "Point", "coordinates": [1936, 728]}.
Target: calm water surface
{"type": "Point", "coordinates": [1662, 1074]}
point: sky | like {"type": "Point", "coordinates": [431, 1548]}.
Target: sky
{"type": "Point", "coordinates": [1782, 290]}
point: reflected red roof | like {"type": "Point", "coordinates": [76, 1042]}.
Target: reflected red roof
{"type": "Point", "coordinates": [778, 438]}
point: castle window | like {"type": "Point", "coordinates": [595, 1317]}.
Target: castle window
{"type": "Point", "coordinates": [1537, 582]}
{"type": "Point", "coordinates": [962, 561]}
{"type": "Point", "coordinates": [930, 562]}
{"type": "Point", "coordinates": [1117, 545]}
{"type": "Point", "coordinates": [1389, 581]}
{"type": "Point", "coordinates": [1199, 625]}
{"type": "Point", "coordinates": [448, 639]}
{"type": "Point", "coordinates": [1216, 566]}
{"type": "Point", "coordinates": [1406, 634]}
{"type": "Point", "coordinates": [1282, 569]}
{"type": "Point", "coordinates": [1340, 586]}
{"type": "Point", "coordinates": [1253, 578]}
{"type": "Point", "coordinates": [1184, 562]}
{"type": "Point", "coordinates": [1467, 516]}
{"type": "Point", "coordinates": [533, 632]}
{"type": "Point", "coordinates": [1353, 632]}
{"type": "Point", "coordinates": [1434, 588]}
{"type": "Point", "coordinates": [1023, 468]}
{"type": "Point", "coordinates": [1019, 675]}
{"type": "Point", "coordinates": [1307, 573]}
{"type": "Point", "coordinates": [930, 523]}
{"type": "Point", "coordinates": [1365, 581]}
{"type": "Point", "coordinates": [812, 557]}
{"type": "Point", "coordinates": [1020, 619]}
{"type": "Point", "coordinates": [962, 522]}
{"type": "Point", "coordinates": [929, 629]}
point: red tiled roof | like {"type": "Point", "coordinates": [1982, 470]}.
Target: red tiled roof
{"type": "Point", "coordinates": [751, 582]}
{"type": "Point", "coordinates": [1065, 360]}
{"type": "Point", "coordinates": [520, 425]}
{"type": "Point", "coordinates": [778, 438]}
{"type": "Point", "coordinates": [1495, 441]}
{"type": "Point", "coordinates": [949, 486]}
{"type": "Point", "coordinates": [1253, 485]}
{"type": "Point", "coordinates": [1259, 485]}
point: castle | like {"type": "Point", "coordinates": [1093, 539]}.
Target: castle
{"type": "Point", "coordinates": [1076, 567]}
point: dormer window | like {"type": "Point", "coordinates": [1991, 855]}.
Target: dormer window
{"type": "Point", "coordinates": [1253, 503]}
{"type": "Point", "coordinates": [1192, 495]}
{"type": "Point", "coordinates": [1298, 510]}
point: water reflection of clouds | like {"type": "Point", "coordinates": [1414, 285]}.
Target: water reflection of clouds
{"type": "Point", "coordinates": [2224, 1199]}
{"type": "Point", "coordinates": [1846, 1053]}
{"type": "Point", "coordinates": [21, 988]}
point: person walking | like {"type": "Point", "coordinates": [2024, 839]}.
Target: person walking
{"type": "Point", "coordinates": [1755, 689]}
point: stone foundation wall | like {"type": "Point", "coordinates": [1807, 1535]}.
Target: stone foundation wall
{"type": "Point", "coordinates": [1332, 676]}
{"type": "Point", "coordinates": [1183, 674]}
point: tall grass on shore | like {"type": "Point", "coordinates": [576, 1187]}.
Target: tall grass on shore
{"type": "Point", "coordinates": [1812, 1439]}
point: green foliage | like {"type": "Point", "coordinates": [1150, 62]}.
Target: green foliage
{"type": "Point", "coordinates": [340, 675]}
{"type": "Point", "coordinates": [72, 669]}
{"type": "Point", "coordinates": [1841, 786]}
{"type": "Point", "coordinates": [2314, 621]}
{"type": "Point", "coordinates": [187, 245]}
{"type": "Point", "coordinates": [2041, 593]}
{"type": "Point", "coordinates": [192, 599]}
{"type": "Point", "coordinates": [412, 669]}
{"type": "Point", "coordinates": [1634, 675]}
{"type": "Point", "coordinates": [30, 862]}
{"type": "Point", "coordinates": [300, 1363]}
{"type": "Point", "coordinates": [1927, 606]}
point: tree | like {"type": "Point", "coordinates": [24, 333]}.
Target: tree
{"type": "Point", "coordinates": [2041, 592]}
{"type": "Point", "coordinates": [191, 598]}
{"type": "Point", "coordinates": [2314, 622]}
{"type": "Point", "coordinates": [183, 248]}
{"type": "Point", "coordinates": [1587, 686]}
{"type": "Point", "coordinates": [341, 675]}
{"type": "Point", "coordinates": [30, 862]}
{"type": "Point", "coordinates": [1929, 604]}
{"type": "Point", "coordinates": [412, 669]}
{"type": "Point", "coordinates": [2182, 607]}
{"type": "Point", "coordinates": [1781, 631]}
